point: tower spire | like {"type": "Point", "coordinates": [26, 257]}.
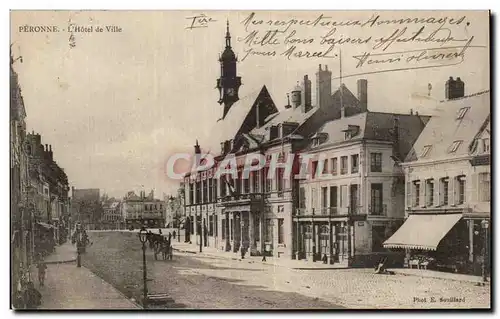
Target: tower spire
{"type": "Point", "coordinates": [228, 35]}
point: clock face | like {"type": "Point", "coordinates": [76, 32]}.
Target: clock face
{"type": "Point", "coordinates": [230, 92]}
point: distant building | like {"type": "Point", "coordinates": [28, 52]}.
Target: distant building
{"type": "Point", "coordinates": [448, 184]}
{"type": "Point", "coordinates": [86, 206]}
{"type": "Point", "coordinates": [142, 210]}
{"type": "Point", "coordinates": [112, 215]}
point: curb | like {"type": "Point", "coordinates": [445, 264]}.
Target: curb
{"type": "Point", "coordinates": [138, 306]}
{"type": "Point", "coordinates": [64, 261]}
{"type": "Point", "coordinates": [251, 261]}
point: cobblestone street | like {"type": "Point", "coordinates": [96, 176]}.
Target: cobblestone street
{"type": "Point", "coordinates": [206, 282]}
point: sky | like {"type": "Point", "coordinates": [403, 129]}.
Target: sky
{"type": "Point", "coordinates": [117, 104]}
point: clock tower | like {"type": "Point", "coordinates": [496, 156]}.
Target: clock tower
{"type": "Point", "coordinates": [229, 83]}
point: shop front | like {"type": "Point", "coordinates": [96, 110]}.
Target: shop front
{"type": "Point", "coordinates": [435, 241]}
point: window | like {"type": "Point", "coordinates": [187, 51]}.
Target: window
{"type": "Point", "coordinates": [216, 228]}
{"type": "Point", "coordinates": [246, 185]}
{"type": "Point", "coordinates": [205, 191]}
{"type": "Point", "coordinates": [210, 187]}
{"type": "Point", "coordinates": [354, 163]}
{"type": "Point", "coordinates": [223, 186]}
{"type": "Point", "coordinates": [486, 145]}
{"type": "Point", "coordinates": [210, 225]}
{"type": "Point", "coordinates": [314, 199]}
{"type": "Point", "coordinates": [484, 187]}
{"type": "Point", "coordinates": [268, 180]}
{"type": "Point", "coordinates": [376, 162]}
{"type": "Point", "coordinates": [333, 196]}
{"type": "Point", "coordinates": [461, 113]}
{"type": "Point", "coordinates": [314, 169]}
{"type": "Point", "coordinates": [214, 189]}
{"type": "Point", "coordinates": [454, 147]}
{"type": "Point", "coordinates": [343, 165]}
{"type": "Point", "coordinates": [376, 199]}
{"type": "Point", "coordinates": [460, 190]}
{"type": "Point", "coordinates": [198, 192]}
{"type": "Point", "coordinates": [279, 179]}
{"type": "Point", "coordinates": [426, 150]}
{"type": "Point", "coordinates": [444, 189]}
{"type": "Point", "coordinates": [256, 181]}
{"type": "Point", "coordinates": [269, 231]}
{"type": "Point", "coordinates": [231, 230]}
{"type": "Point", "coordinates": [281, 231]}
{"type": "Point", "coordinates": [223, 235]}
{"type": "Point", "coordinates": [429, 189]}
{"type": "Point", "coordinates": [237, 184]}
{"type": "Point", "coordinates": [325, 166]}
{"type": "Point", "coordinates": [302, 197]}
{"type": "Point", "coordinates": [324, 197]}
{"type": "Point", "coordinates": [256, 226]}
{"type": "Point", "coordinates": [191, 193]}
{"type": "Point", "coordinates": [343, 196]}
{"type": "Point", "coordinates": [416, 193]}
{"type": "Point", "coordinates": [334, 165]}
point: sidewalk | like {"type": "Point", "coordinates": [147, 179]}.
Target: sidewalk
{"type": "Point", "coordinates": [439, 275]}
{"type": "Point", "coordinates": [63, 254]}
{"type": "Point", "coordinates": [278, 262]}
{"type": "Point", "coordinates": [70, 287]}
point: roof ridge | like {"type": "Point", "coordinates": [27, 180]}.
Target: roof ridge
{"type": "Point", "coordinates": [466, 96]}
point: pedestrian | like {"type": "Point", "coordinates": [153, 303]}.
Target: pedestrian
{"type": "Point", "coordinates": [42, 267]}
{"type": "Point", "coordinates": [32, 297]}
{"type": "Point", "coordinates": [159, 231]}
{"type": "Point", "coordinates": [169, 236]}
{"type": "Point", "coordinates": [174, 234]}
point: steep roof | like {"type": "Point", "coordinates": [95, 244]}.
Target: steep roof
{"type": "Point", "coordinates": [447, 127]}
{"type": "Point", "coordinates": [374, 126]}
{"type": "Point", "coordinates": [228, 128]}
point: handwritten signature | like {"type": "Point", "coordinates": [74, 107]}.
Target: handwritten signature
{"type": "Point", "coordinates": [199, 21]}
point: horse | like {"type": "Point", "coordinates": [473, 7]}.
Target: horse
{"type": "Point", "coordinates": [163, 246]}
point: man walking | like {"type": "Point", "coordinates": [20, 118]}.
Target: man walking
{"type": "Point", "coordinates": [42, 267]}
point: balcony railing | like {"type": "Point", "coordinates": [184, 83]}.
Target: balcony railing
{"type": "Point", "coordinates": [380, 210]}
{"type": "Point", "coordinates": [325, 211]}
{"type": "Point", "coordinates": [241, 197]}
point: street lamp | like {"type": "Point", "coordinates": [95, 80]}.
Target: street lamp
{"type": "Point", "coordinates": [485, 225]}
{"type": "Point", "coordinates": [143, 238]}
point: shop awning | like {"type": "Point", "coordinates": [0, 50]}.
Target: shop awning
{"type": "Point", "coordinates": [423, 231]}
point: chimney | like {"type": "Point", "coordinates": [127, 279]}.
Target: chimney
{"type": "Point", "coordinates": [197, 149]}
{"type": "Point", "coordinates": [395, 138]}
{"type": "Point", "coordinates": [288, 97]}
{"type": "Point", "coordinates": [363, 94]}
{"type": "Point", "coordinates": [50, 153]}
{"type": "Point", "coordinates": [323, 88]}
{"type": "Point", "coordinates": [306, 92]}
{"type": "Point", "coordinates": [296, 96]}
{"type": "Point", "coordinates": [454, 89]}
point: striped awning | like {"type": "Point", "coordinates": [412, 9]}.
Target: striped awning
{"type": "Point", "coordinates": [423, 231]}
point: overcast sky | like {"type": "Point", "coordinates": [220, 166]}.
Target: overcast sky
{"type": "Point", "coordinates": [116, 105]}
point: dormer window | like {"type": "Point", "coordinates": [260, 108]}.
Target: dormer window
{"type": "Point", "coordinates": [454, 147]}
{"type": "Point", "coordinates": [486, 145]}
{"type": "Point", "coordinates": [351, 131]}
{"type": "Point", "coordinates": [461, 113]}
{"type": "Point", "coordinates": [426, 150]}
{"type": "Point", "coordinates": [273, 132]}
